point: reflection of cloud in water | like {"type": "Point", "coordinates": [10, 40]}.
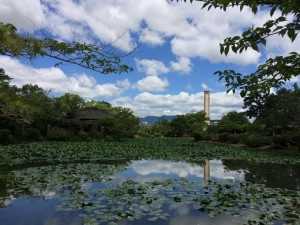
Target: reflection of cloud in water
{"type": "Point", "coordinates": [184, 169]}
{"type": "Point", "coordinates": [205, 220]}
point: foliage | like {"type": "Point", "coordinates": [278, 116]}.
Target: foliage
{"type": "Point", "coordinates": [103, 194]}
{"type": "Point", "coordinates": [255, 140]}
{"type": "Point", "coordinates": [233, 122]}
{"type": "Point", "coordinates": [85, 55]}
{"type": "Point", "coordinates": [274, 73]}
{"type": "Point", "coordinates": [69, 103]}
{"type": "Point", "coordinates": [29, 113]}
{"type": "Point", "coordinates": [188, 125]}
{"type": "Point", "coordinates": [166, 148]}
{"type": "Point", "coordinates": [281, 111]}
{"type": "Point", "coordinates": [6, 136]}
{"type": "Point", "coordinates": [120, 124]}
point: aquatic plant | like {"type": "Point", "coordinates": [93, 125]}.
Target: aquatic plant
{"type": "Point", "coordinates": [172, 149]}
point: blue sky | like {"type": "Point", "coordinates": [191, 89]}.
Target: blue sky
{"type": "Point", "coordinates": [177, 53]}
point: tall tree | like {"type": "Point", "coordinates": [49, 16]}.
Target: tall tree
{"type": "Point", "coordinates": [281, 111]}
{"type": "Point", "coordinates": [274, 73]}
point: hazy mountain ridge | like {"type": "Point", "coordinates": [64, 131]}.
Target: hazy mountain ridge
{"type": "Point", "coordinates": [155, 119]}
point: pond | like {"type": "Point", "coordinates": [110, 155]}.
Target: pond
{"type": "Point", "coordinates": [151, 192]}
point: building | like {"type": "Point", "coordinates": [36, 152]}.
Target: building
{"type": "Point", "coordinates": [207, 103]}
{"type": "Point", "coordinates": [86, 119]}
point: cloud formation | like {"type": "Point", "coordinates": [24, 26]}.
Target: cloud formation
{"type": "Point", "coordinates": [184, 169]}
{"type": "Point", "coordinates": [146, 103]}
{"type": "Point", "coordinates": [151, 67]}
{"type": "Point", "coordinates": [152, 84]}
{"type": "Point", "coordinates": [192, 32]}
{"type": "Point", "coordinates": [56, 80]}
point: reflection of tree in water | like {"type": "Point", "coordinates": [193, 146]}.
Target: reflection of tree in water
{"type": "Point", "coordinates": [270, 174]}
{"type": "Point", "coordinates": [49, 181]}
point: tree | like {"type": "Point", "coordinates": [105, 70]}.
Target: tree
{"type": "Point", "coordinates": [4, 78]}
{"type": "Point", "coordinates": [98, 105]}
{"type": "Point", "coordinates": [233, 122]}
{"type": "Point", "coordinates": [36, 106]}
{"type": "Point", "coordinates": [188, 125]}
{"type": "Point", "coordinates": [69, 103]}
{"type": "Point", "coordinates": [274, 73]}
{"type": "Point", "coordinates": [121, 123]}
{"type": "Point", "coordinates": [281, 111]}
{"type": "Point", "coordinates": [85, 55]}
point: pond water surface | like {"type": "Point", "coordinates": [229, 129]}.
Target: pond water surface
{"type": "Point", "coordinates": [212, 192]}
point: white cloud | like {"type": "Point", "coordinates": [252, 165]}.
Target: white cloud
{"type": "Point", "coordinates": [26, 14]}
{"type": "Point", "coordinates": [151, 67]}
{"type": "Point", "coordinates": [282, 46]}
{"type": "Point", "coordinates": [184, 169]}
{"type": "Point", "coordinates": [145, 104]}
{"type": "Point", "coordinates": [192, 32]}
{"type": "Point", "coordinates": [183, 65]}
{"type": "Point", "coordinates": [151, 37]}
{"type": "Point", "coordinates": [295, 79]}
{"type": "Point", "coordinates": [56, 80]}
{"type": "Point", "coordinates": [152, 84]}
{"type": "Point", "coordinates": [208, 48]}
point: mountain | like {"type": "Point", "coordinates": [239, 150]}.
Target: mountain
{"type": "Point", "coordinates": [155, 119]}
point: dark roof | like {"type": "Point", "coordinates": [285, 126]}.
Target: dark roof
{"type": "Point", "coordinates": [90, 114]}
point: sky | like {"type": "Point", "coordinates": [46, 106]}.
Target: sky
{"type": "Point", "coordinates": [174, 51]}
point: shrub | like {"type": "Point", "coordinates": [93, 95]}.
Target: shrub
{"type": "Point", "coordinates": [280, 141]}
{"type": "Point", "coordinates": [233, 138]}
{"type": "Point", "coordinates": [286, 140]}
{"type": "Point", "coordinates": [58, 134]}
{"type": "Point", "coordinates": [201, 136]}
{"type": "Point", "coordinates": [6, 137]}
{"type": "Point", "coordinates": [296, 140]}
{"type": "Point", "coordinates": [223, 137]}
{"type": "Point", "coordinates": [32, 134]}
{"type": "Point", "coordinates": [254, 140]}
{"type": "Point", "coordinates": [229, 138]}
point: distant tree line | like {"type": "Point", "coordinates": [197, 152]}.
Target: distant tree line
{"type": "Point", "coordinates": [29, 113]}
{"type": "Point", "coordinates": [277, 126]}
{"type": "Point", "coordinates": [189, 125]}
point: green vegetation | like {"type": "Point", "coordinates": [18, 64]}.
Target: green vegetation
{"type": "Point", "coordinates": [157, 148]}
{"type": "Point", "coordinates": [275, 72]}
{"type": "Point", "coordinates": [189, 125]}
{"type": "Point", "coordinates": [30, 114]}
{"type": "Point", "coordinates": [277, 126]}
{"type": "Point", "coordinates": [130, 200]}
{"type": "Point", "coordinates": [88, 56]}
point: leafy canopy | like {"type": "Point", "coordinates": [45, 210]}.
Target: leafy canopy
{"type": "Point", "coordinates": [275, 72]}
{"type": "Point", "coordinates": [88, 56]}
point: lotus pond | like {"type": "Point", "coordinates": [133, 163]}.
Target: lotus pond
{"type": "Point", "coordinates": [164, 182]}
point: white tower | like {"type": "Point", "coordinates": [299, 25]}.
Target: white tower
{"type": "Point", "coordinates": [207, 104]}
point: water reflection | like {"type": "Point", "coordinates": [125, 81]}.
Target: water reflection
{"type": "Point", "coordinates": [147, 170]}
{"type": "Point", "coordinates": [35, 194]}
{"type": "Point", "coordinates": [270, 174]}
